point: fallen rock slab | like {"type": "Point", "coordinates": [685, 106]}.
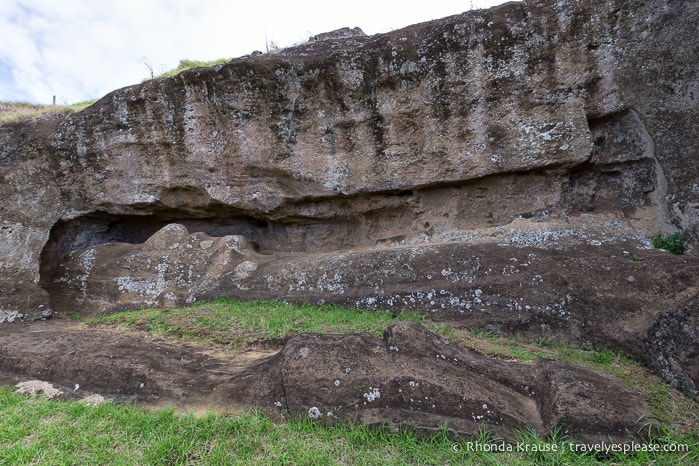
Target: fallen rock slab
{"type": "Point", "coordinates": [417, 379]}
{"type": "Point", "coordinates": [132, 366]}
{"type": "Point", "coordinates": [412, 378]}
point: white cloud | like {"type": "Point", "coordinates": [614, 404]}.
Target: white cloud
{"type": "Point", "coordinates": [82, 49]}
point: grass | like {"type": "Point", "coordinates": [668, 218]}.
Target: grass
{"type": "Point", "coordinates": [189, 64]}
{"type": "Point", "coordinates": [18, 111]}
{"type": "Point", "coordinates": [36, 430]}
{"type": "Point", "coordinates": [493, 344]}
{"type": "Point", "coordinates": [235, 324]}
{"type": "Point", "coordinates": [672, 243]}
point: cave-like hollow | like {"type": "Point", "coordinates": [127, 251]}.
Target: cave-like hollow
{"type": "Point", "coordinates": [98, 228]}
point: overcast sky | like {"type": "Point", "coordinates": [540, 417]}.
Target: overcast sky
{"type": "Point", "coordinates": [83, 49]}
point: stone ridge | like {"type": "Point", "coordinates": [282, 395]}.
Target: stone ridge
{"type": "Point", "coordinates": [413, 378]}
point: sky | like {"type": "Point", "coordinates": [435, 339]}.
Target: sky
{"type": "Point", "coordinates": [80, 50]}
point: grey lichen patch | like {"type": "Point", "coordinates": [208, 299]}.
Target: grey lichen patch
{"type": "Point", "coordinates": [10, 316]}
{"type": "Point", "coordinates": [373, 394]}
{"type": "Point", "coordinates": [245, 269]}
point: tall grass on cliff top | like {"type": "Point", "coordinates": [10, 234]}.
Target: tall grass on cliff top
{"type": "Point", "coordinates": [18, 111]}
{"type": "Point", "coordinates": [188, 65]}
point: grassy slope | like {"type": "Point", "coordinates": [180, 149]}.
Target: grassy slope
{"type": "Point", "coordinates": [235, 325]}
{"type": "Point", "coordinates": [17, 111]}
{"type": "Point", "coordinates": [38, 430]}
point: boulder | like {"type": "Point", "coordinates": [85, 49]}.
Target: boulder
{"type": "Point", "coordinates": [341, 33]}
{"type": "Point", "coordinates": [411, 379]}
{"type": "Point", "coordinates": [418, 379]}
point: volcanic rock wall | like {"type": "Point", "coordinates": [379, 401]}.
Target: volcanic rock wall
{"type": "Point", "coordinates": [528, 117]}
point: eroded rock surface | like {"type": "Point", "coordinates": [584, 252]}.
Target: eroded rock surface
{"type": "Point", "coordinates": [535, 110]}
{"type": "Point", "coordinates": [671, 346]}
{"type": "Point", "coordinates": [387, 171]}
{"type": "Point", "coordinates": [414, 377]}
{"type": "Point", "coordinates": [640, 301]}
{"type": "Point", "coordinates": [171, 268]}
{"type": "Point", "coordinates": [411, 378]}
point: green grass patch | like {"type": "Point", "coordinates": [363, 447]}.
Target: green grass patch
{"type": "Point", "coordinates": [672, 243]}
{"type": "Point", "coordinates": [189, 64]}
{"type": "Point", "coordinates": [235, 324]}
{"type": "Point", "coordinates": [18, 111]}
{"type": "Point", "coordinates": [494, 344]}
{"type": "Point", "coordinates": [36, 430]}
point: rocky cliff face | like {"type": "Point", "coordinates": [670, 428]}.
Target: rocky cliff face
{"type": "Point", "coordinates": [546, 124]}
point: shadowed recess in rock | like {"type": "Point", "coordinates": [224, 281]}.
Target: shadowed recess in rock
{"type": "Point", "coordinates": [101, 228]}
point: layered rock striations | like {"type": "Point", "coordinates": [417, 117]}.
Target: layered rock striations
{"type": "Point", "coordinates": [362, 169]}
